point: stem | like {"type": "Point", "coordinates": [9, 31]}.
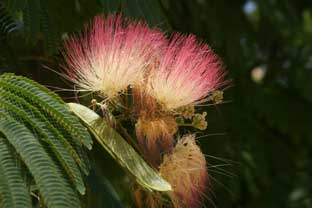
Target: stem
{"type": "Point", "coordinates": [186, 124]}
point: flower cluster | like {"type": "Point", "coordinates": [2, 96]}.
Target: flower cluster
{"type": "Point", "coordinates": [111, 55]}
{"type": "Point", "coordinates": [167, 78]}
{"type": "Point", "coordinates": [187, 72]}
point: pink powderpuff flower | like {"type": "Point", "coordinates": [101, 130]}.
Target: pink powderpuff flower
{"type": "Point", "coordinates": [111, 55]}
{"type": "Point", "coordinates": [188, 71]}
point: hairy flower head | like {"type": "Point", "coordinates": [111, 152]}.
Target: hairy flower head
{"type": "Point", "coordinates": [111, 55]}
{"type": "Point", "coordinates": [187, 72]}
{"type": "Point", "coordinates": [185, 169]}
{"type": "Point", "coordinates": [155, 137]}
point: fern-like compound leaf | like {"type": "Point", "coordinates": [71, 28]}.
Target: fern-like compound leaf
{"type": "Point", "coordinates": [34, 94]}
{"type": "Point", "coordinates": [55, 190]}
{"type": "Point", "coordinates": [13, 190]}
{"type": "Point", "coordinates": [13, 105]}
{"type": "Point", "coordinates": [46, 140]}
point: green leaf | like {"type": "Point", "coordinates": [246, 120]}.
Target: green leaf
{"type": "Point", "coordinates": [13, 190]}
{"type": "Point", "coordinates": [54, 188]}
{"type": "Point", "coordinates": [35, 94]}
{"type": "Point", "coordinates": [120, 150]}
{"type": "Point", "coordinates": [18, 109]}
{"type": "Point", "coordinates": [43, 136]}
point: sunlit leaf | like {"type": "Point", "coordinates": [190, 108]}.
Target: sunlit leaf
{"type": "Point", "coordinates": [120, 150]}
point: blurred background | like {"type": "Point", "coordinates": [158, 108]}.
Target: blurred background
{"type": "Point", "coordinates": [258, 143]}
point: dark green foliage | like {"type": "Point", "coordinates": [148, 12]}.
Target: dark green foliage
{"type": "Point", "coordinates": [149, 10]}
{"type": "Point", "coordinates": [55, 190]}
{"type": "Point", "coordinates": [13, 190]}
{"type": "Point", "coordinates": [7, 26]}
{"type": "Point", "coordinates": [43, 99]}
{"type": "Point", "coordinates": [37, 128]}
{"type": "Point", "coordinates": [36, 21]}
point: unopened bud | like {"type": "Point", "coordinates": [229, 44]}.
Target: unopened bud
{"type": "Point", "coordinates": [217, 96]}
{"type": "Point", "coordinates": [187, 111]}
{"type": "Point", "coordinates": [199, 121]}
